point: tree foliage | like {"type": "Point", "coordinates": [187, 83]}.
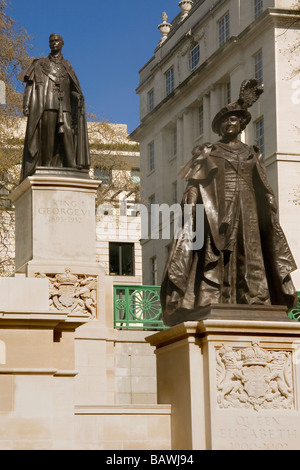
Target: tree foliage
{"type": "Point", "coordinates": [116, 156]}
{"type": "Point", "coordinates": [14, 57]}
{"type": "Point", "coordinates": [293, 49]}
{"type": "Point", "coordinates": [14, 42]}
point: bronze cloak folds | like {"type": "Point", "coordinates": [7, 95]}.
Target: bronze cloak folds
{"type": "Point", "coordinates": [36, 78]}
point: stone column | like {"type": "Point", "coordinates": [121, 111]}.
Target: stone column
{"type": "Point", "coordinates": [215, 106]}
{"type": "Point", "coordinates": [232, 380]}
{"type": "Point", "coordinates": [206, 118]}
{"type": "Point", "coordinates": [188, 133]}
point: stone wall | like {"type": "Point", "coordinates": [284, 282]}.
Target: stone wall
{"type": "Point", "coordinates": [131, 427]}
{"type": "Point", "coordinates": [115, 392]}
{"type": "Point", "coordinates": [114, 367]}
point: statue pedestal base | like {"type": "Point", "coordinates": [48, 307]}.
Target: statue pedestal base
{"type": "Point", "coordinates": [232, 312]}
{"type": "Point", "coordinates": [58, 287]}
{"type": "Point", "coordinates": [55, 219]}
{"type": "Point", "coordinates": [56, 238]}
{"type": "Point", "coordinates": [232, 383]}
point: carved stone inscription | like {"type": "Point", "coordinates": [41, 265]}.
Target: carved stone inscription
{"type": "Point", "coordinates": [257, 432]}
{"type": "Point", "coordinates": [71, 211]}
{"type": "Point", "coordinates": [73, 292]}
{"type": "Point", "coordinates": [254, 378]}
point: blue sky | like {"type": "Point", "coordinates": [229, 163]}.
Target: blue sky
{"type": "Point", "coordinates": [107, 42]}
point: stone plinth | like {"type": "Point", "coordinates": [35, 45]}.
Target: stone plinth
{"type": "Point", "coordinates": [233, 383]}
{"type": "Point", "coordinates": [56, 238]}
{"type": "Point", "coordinates": [55, 220]}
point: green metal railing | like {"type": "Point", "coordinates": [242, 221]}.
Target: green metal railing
{"type": "Point", "coordinates": [137, 307]}
{"type": "Point", "coordinates": [295, 313]}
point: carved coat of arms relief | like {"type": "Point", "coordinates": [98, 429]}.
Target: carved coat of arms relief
{"type": "Point", "coordinates": [254, 378]}
{"type": "Point", "coordinates": [73, 292]}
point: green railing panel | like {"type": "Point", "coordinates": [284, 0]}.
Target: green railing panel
{"type": "Point", "coordinates": [295, 313]}
{"type": "Point", "coordinates": [137, 307]}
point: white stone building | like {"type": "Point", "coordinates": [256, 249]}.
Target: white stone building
{"type": "Point", "coordinates": [118, 222]}
{"type": "Point", "coordinates": [197, 68]}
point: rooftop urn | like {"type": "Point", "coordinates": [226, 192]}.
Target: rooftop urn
{"type": "Point", "coordinates": [164, 27]}
{"type": "Point", "coordinates": [185, 6]}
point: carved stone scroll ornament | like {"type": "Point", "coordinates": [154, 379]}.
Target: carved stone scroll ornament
{"type": "Point", "coordinates": [73, 292]}
{"type": "Point", "coordinates": [254, 378]}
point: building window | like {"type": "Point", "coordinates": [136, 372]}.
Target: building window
{"type": "Point", "coordinates": [153, 267]}
{"type": "Point", "coordinates": [258, 63]}
{"type": "Point", "coordinates": [103, 175]}
{"type": "Point", "coordinates": [151, 157]}
{"type": "Point", "coordinates": [259, 135]}
{"type": "Point", "coordinates": [224, 30]}
{"type": "Point", "coordinates": [174, 142]}
{"type": "Point", "coordinates": [169, 76]}
{"type": "Point", "coordinates": [200, 120]}
{"type": "Point", "coordinates": [135, 176]}
{"type": "Point", "coordinates": [194, 57]}
{"type": "Point", "coordinates": [150, 100]}
{"type": "Point", "coordinates": [121, 259]}
{"type": "Point", "coordinates": [132, 209]}
{"type": "Point", "coordinates": [258, 8]}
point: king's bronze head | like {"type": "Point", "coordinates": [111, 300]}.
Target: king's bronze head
{"type": "Point", "coordinates": [56, 42]}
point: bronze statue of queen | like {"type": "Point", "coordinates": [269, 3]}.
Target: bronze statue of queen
{"type": "Point", "coordinates": [245, 258]}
